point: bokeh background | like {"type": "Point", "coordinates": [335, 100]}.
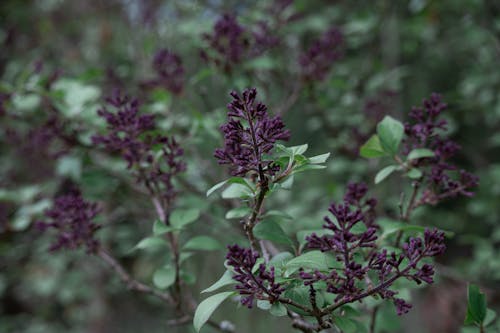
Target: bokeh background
{"type": "Point", "coordinates": [60, 58]}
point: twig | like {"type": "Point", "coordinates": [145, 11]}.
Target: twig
{"type": "Point", "coordinates": [127, 279]}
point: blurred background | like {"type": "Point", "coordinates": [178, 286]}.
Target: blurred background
{"type": "Point", "coordinates": [59, 59]}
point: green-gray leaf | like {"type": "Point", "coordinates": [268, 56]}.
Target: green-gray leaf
{"type": "Point", "coordinates": [270, 230]}
{"type": "Point", "coordinates": [207, 307]}
{"type": "Point", "coordinates": [164, 277]}
{"type": "Point", "coordinates": [372, 148]}
{"type": "Point", "coordinates": [420, 153]}
{"type": "Point", "coordinates": [182, 217]}
{"type": "Point", "coordinates": [476, 306]}
{"type": "Point", "coordinates": [205, 243]}
{"type": "Point", "coordinates": [390, 132]}
{"type": "Point", "coordinates": [384, 173]}
{"type": "Point", "coordinates": [225, 280]}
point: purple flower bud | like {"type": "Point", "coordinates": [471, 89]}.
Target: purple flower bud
{"type": "Point", "coordinates": [317, 60]}
{"type": "Point", "coordinates": [245, 145]}
{"type": "Point", "coordinates": [72, 217]}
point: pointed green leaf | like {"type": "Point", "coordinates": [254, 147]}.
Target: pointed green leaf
{"type": "Point", "coordinates": [181, 217]}
{"type": "Point", "coordinates": [216, 187]}
{"type": "Point", "coordinates": [225, 280]}
{"type": "Point", "coordinates": [164, 277]}
{"type": "Point", "coordinates": [414, 173]}
{"type": "Point", "coordinates": [420, 153]}
{"type": "Point", "coordinates": [204, 243]}
{"type": "Point", "coordinates": [312, 260]}
{"type": "Point", "coordinates": [384, 173]}
{"type": "Point", "coordinates": [476, 306]}
{"type": "Point", "coordinates": [278, 310]}
{"type": "Point", "coordinates": [318, 159]}
{"type": "Point", "coordinates": [390, 132]}
{"type": "Point", "coordinates": [150, 243]}
{"type": "Point", "coordinates": [207, 307]}
{"type": "Point", "coordinates": [238, 213]}
{"type": "Point", "coordinates": [237, 191]}
{"type": "Point", "coordinates": [268, 229]}
{"type": "Point", "coordinates": [372, 148]}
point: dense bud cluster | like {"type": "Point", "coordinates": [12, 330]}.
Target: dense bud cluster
{"type": "Point", "coordinates": [249, 134]}
{"type": "Point", "coordinates": [72, 217]}
{"type": "Point", "coordinates": [319, 58]}
{"type": "Point", "coordinates": [348, 241]}
{"type": "Point", "coordinates": [425, 131]}
{"type": "Point", "coordinates": [230, 42]}
{"type": "Point", "coordinates": [169, 71]}
{"type": "Point", "coordinates": [258, 285]}
{"type": "Point", "coordinates": [130, 135]}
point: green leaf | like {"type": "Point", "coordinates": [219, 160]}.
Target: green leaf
{"type": "Point", "coordinates": [150, 243]}
{"type": "Point", "coordinates": [346, 325]}
{"type": "Point", "coordinates": [384, 173]}
{"type": "Point", "coordinates": [263, 304]}
{"type": "Point", "coordinates": [225, 280]}
{"type": "Point", "coordinates": [164, 277]}
{"type": "Point", "coordinates": [298, 150]}
{"type": "Point", "coordinates": [232, 180]}
{"type": "Point", "coordinates": [476, 306]}
{"type": "Point", "coordinates": [372, 148]}
{"type": "Point", "coordinates": [238, 213]}
{"type": "Point", "coordinates": [159, 228]}
{"type": "Point", "coordinates": [414, 173]}
{"type": "Point", "coordinates": [280, 259]}
{"type": "Point", "coordinates": [181, 217]}
{"type": "Point", "coordinates": [216, 187]}
{"type": "Point", "coordinates": [207, 307]}
{"type": "Point", "coordinates": [420, 153]}
{"type": "Point", "coordinates": [318, 159]}
{"type": "Point", "coordinates": [307, 167]}
{"type": "Point", "coordinates": [490, 317]}
{"type": "Point", "coordinates": [390, 132]}
{"type": "Point", "coordinates": [237, 191]}
{"type": "Point", "coordinates": [312, 260]}
{"type": "Point", "coordinates": [268, 229]}
{"type": "Point", "coordinates": [278, 310]}
{"type": "Point", "coordinates": [204, 243]}
{"type": "Point", "coordinates": [299, 295]}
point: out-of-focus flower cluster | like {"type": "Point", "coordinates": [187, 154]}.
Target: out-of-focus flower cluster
{"type": "Point", "coordinates": [155, 158]}
{"type": "Point", "coordinates": [249, 134]}
{"type": "Point", "coordinates": [72, 217]}
{"type": "Point", "coordinates": [318, 59]}
{"type": "Point", "coordinates": [169, 72]}
{"type": "Point", "coordinates": [425, 131]}
{"type": "Point", "coordinates": [258, 285]}
{"type": "Point", "coordinates": [352, 233]}
{"type": "Point", "coordinates": [230, 42]}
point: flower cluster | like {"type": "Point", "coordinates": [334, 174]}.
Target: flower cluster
{"type": "Point", "coordinates": [249, 134]}
{"type": "Point", "coordinates": [72, 217]}
{"type": "Point", "coordinates": [260, 285]}
{"type": "Point", "coordinates": [155, 158]}
{"type": "Point", "coordinates": [230, 43]}
{"type": "Point", "coordinates": [424, 131]}
{"type": "Point", "coordinates": [169, 70]}
{"type": "Point", "coordinates": [348, 240]}
{"type": "Point", "coordinates": [319, 58]}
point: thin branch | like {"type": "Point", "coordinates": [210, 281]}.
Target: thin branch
{"type": "Point", "coordinates": [128, 280]}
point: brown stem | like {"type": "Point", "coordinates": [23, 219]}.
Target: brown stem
{"type": "Point", "coordinates": [126, 278]}
{"type": "Point", "coordinates": [409, 209]}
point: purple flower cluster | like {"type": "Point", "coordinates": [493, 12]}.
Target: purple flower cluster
{"type": "Point", "coordinates": [230, 43]}
{"type": "Point", "coordinates": [424, 131]}
{"type": "Point", "coordinates": [72, 217]}
{"type": "Point", "coordinates": [249, 134]}
{"type": "Point", "coordinates": [169, 70]}
{"type": "Point", "coordinates": [130, 135]}
{"type": "Point", "coordinates": [319, 58]}
{"type": "Point", "coordinates": [259, 285]}
{"type": "Point", "coordinates": [348, 242]}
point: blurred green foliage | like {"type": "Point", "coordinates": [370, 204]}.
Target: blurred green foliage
{"type": "Point", "coordinates": [396, 53]}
